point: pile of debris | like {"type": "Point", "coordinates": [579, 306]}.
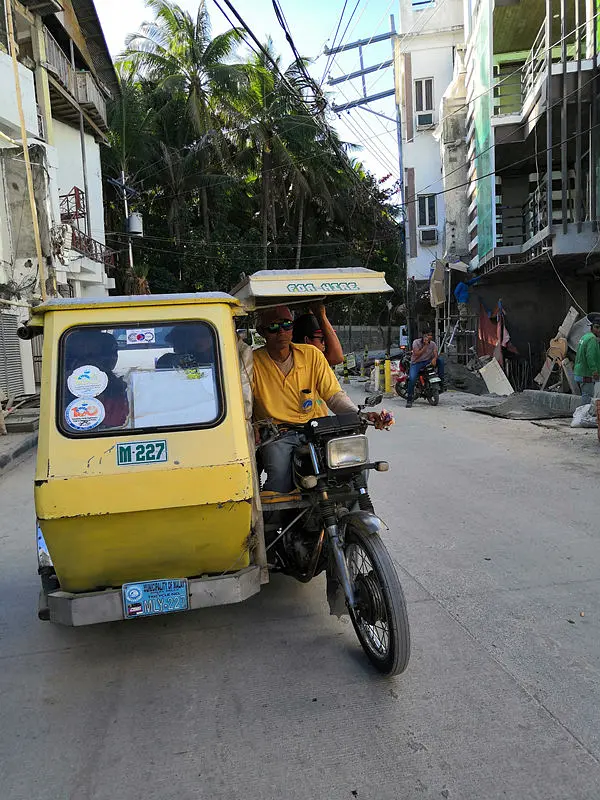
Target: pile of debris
{"type": "Point", "coordinates": [557, 373]}
{"type": "Point", "coordinates": [19, 413]}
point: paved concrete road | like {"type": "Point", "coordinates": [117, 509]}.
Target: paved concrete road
{"type": "Point", "coordinates": [495, 526]}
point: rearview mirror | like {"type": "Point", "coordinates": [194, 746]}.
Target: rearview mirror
{"type": "Point", "coordinates": [373, 400]}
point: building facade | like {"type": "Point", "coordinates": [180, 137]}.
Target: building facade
{"type": "Point", "coordinates": [532, 190]}
{"type": "Point", "coordinates": [430, 31]}
{"type": "Point", "coordinates": [66, 76]}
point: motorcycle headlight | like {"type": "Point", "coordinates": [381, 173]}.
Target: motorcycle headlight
{"type": "Point", "coordinates": [347, 451]}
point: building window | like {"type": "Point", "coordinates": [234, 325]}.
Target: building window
{"type": "Point", "coordinates": [424, 95]}
{"type": "Point", "coordinates": [155, 377]}
{"type": "Point", "coordinates": [427, 210]}
{"type": "Point", "coordinates": [418, 5]}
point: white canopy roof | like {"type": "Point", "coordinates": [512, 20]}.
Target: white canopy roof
{"type": "Point", "coordinates": [272, 287]}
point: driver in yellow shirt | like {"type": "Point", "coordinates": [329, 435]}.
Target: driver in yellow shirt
{"type": "Point", "coordinates": [292, 383]}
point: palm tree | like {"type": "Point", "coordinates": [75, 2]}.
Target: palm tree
{"type": "Point", "coordinates": [178, 54]}
{"type": "Point", "coordinates": [276, 134]}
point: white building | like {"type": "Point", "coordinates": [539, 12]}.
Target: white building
{"type": "Point", "coordinates": [429, 33]}
{"type": "Point", "coordinates": [66, 76]}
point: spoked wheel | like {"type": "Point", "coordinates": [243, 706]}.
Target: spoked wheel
{"type": "Point", "coordinates": [380, 618]}
{"type": "Point", "coordinates": [433, 398]}
{"type": "Point", "coordinates": [401, 390]}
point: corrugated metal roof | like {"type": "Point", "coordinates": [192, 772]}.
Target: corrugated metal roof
{"type": "Point", "coordinates": [89, 23]}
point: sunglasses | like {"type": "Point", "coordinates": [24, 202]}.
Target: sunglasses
{"type": "Point", "coordinates": [318, 338]}
{"type": "Point", "coordinates": [285, 325]}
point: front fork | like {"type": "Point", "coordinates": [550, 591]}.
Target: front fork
{"type": "Point", "coordinates": [343, 573]}
{"type": "Point", "coordinates": [332, 530]}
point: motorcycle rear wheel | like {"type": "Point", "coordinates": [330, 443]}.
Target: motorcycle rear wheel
{"type": "Point", "coordinates": [433, 398]}
{"type": "Point", "coordinates": [380, 618]}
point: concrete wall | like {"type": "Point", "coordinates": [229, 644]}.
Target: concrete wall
{"type": "Point", "coordinates": [440, 15]}
{"type": "Point", "coordinates": [9, 115]}
{"type": "Point", "coordinates": [535, 304]}
{"type": "Point", "coordinates": [453, 149]}
{"type": "Point", "coordinates": [70, 171]}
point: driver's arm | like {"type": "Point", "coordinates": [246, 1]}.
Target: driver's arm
{"type": "Point", "coordinates": [340, 403]}
{"type": "Point", "coordinates": [328, 386]}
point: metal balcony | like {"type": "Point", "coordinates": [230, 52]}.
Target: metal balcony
{"type": "Point", "coordinates": [518, 83]}
{"type": "Point", "coordinates": [80, 87]}
{"type": "Point", "coordinates": [72, 205]}
{"type": "Point", "coordinates": [96, 251]}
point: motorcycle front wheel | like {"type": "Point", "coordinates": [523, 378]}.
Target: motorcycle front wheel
{"type": "Point", "coordinates": [433, 398]}
{"type": "Point", "coordinates": [380, 618]}
{"type": "Point", "coordinates": [401, 390]}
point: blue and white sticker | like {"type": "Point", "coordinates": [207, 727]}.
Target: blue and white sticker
{"type": "Point", "coordinates": [307, 405]}
{"type": "Point", "coordinates": [133, 593]}
{"type": "Point", "coordinates": [84, 413]}
{"type": "Point", "coordinates": [87, 381]}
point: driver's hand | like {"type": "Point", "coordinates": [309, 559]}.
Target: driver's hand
{"type": "Point", "coordinates": [382, 421]}
{"type": "Point", "coordinates": [318, 309]}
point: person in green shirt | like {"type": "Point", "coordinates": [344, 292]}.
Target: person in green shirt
{"type": "Point", "coordinates": [587, 362]}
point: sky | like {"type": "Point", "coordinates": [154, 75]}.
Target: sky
{"type": "Point", "coordinates": [313, 24]}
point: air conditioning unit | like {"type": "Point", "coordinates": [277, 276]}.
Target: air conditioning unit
{"type": "Point", "coordinates": [425, 121]}
{"type": "Point", "coordinates": [428, 235]}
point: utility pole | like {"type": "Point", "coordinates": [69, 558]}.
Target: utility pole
{"type": "Point", "coordinates": [126, 204]}
{"type": "Point", "coordinates": [363, 102]}
{"type": "Point", "coordinates": [125, 194]}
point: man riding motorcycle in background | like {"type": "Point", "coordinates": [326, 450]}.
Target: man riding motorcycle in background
{"type": "Point", "coordinates": [292, 384]}
{"type": "Point", "coordinates": [424, 352]}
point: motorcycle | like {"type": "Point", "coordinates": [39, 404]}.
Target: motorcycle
{"type": "Point", "coordinates": [330, 525]}
{"type": "Point", "coordinates": [428, 384]}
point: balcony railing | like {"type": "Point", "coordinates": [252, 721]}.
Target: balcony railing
{"type": "Point", "coordinates": [516, 81]}
{"type": "Point", "coordinates": [60, 64]}
{"type": "Point", "coordinates": [89, 95]}
{"type": "Point", "coordinates": [89, 247]}
{"type": "Point", "coordinates": [535, 63]}
{"type": "Point", "coordinates": [72, 205]}
{"type": "Point", "coordinates": [519, 224]}
{"type": "Point", "coordinates": [79, 83]}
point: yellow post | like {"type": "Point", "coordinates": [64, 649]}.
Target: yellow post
{"type": "Point", "coordinates": [381, 376]}
{"type": "Point", "coordinates": [32, 203]}
{"type": "Point", "coordinates": [346, 375]}
{"type": "Point", "coordinates": [388, 376]}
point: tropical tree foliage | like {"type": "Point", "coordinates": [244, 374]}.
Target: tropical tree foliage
{"type": "Point", "coordinates": [233, 165]}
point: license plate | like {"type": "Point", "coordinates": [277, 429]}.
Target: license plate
{"type": "Point", "coordinates": [141, 452]}
{"type": "Point", "coordinates": [148, 598]}
{"type": "Point", "coordinates": [435, 380]}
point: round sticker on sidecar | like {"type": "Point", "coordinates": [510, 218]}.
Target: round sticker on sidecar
{"type": "Point", "coordinates": [87, 381]}
{"type": "Point", "coordinates": [84, 414]}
